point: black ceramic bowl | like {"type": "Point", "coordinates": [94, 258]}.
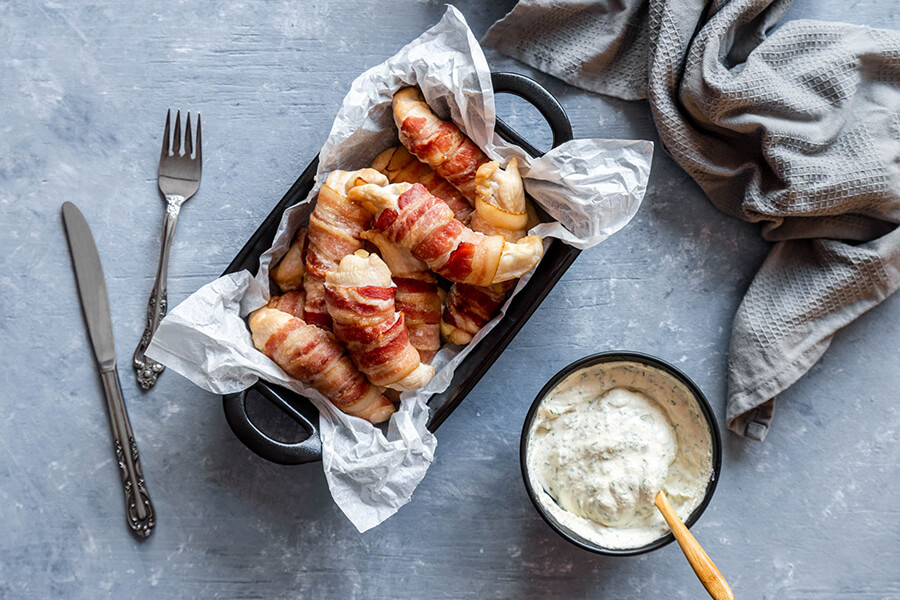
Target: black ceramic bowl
{"type": "Point", "coordinates": [642, 359]}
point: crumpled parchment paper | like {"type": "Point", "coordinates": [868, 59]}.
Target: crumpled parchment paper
{"type": "Point", "coordinates": [591, 187]}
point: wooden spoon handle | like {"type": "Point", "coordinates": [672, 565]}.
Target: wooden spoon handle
{"type": "Point", "coordinates": [703, 566]}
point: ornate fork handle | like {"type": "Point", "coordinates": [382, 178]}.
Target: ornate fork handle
{"type": "Point", "coordinates": [147, 369]}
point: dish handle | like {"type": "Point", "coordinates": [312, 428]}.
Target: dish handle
{"type": "Point", "coordinates": [301, 411]}
{"type": "Point", "coordinates": [535, 94]}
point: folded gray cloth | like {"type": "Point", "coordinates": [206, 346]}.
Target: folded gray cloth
{"type": "Point", "coordinates": [797, 128]}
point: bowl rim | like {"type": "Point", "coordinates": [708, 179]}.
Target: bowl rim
{"type": "Point", "coordinates": [647, 360]}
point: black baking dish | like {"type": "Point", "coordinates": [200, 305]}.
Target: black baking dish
{"type": "Point", "coordinates": [555, 262]}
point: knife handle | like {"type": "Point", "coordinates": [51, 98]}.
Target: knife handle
{"type": "Point", "coordinates": [139, 511]}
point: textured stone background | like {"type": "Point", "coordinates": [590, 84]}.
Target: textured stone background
{"type": "Point", "coordinates": [84, 87]}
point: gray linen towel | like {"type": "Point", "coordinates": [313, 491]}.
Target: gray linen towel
{"type": "Point", "coordinates": [797, 128]}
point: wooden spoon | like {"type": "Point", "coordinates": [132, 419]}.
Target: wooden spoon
{"type": "Point", "coordinates": [703, 566]}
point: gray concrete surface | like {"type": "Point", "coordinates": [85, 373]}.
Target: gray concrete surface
{"type": "Point", "coordinates": [84, 87]}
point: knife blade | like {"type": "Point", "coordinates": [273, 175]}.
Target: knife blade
{"type": "Point", "coordinates": [94, 298]}
{"type": "Point", "coordinates": [91, 286]}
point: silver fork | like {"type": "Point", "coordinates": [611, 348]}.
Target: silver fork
{"type": "Point", "coordinates": [179, 178]}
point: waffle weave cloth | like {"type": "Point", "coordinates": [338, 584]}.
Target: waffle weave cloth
{"type": "Point", "coordinates": [795, 126]}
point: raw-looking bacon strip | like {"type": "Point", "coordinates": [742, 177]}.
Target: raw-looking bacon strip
{"type": "Point", "coordinates": [399, 166]}
{"type": "Point", "coordinates": [313, 356]}
{"type": "Point", "coordinates": [413, 218]}
{"type": "Point", "coordinates": [417, 296]}
{"type": "Point", "coordinates": [438, 143]}
{"type": "Point", "coordinates": [334, 228]}
{"type": "Point", "coordinates": [292, 303]}
{"type": "Point", "coordinates": [469, 308]}
{"type": "Point", "coordinates": [360, 300]}
{"type": "Point", "coordinates": [500, 209]}
{"type": "Point", "coordinates": [314, 311]}
{"type": "Point", "coordinates": [288, 273]}
{"type": "Point", "coordinates": [426, 226]}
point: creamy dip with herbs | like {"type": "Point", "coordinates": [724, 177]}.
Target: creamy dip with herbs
{"type": "Point", "coordinates": [606, 439]}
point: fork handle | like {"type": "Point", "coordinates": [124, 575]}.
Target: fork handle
{"type": "Point", "coordinates": [147, 369]}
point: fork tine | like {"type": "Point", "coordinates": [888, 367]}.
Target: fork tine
{"type": "Point", "coordinates": [199, 157]}
{"type": "Point", "coordinates": [165, 146]}
{"type": "Point", "coordinates": [176, 143]}
{"type": "Point", "coordinates": [188, 144]}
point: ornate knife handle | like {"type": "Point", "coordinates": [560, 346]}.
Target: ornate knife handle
{"type": "Point", "coordinates": [139, 513]}
{"type": "Point", "coordinates": [146, 369]}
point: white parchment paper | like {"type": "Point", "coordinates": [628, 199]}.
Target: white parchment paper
{"type": "Point", "coordinates": [591, 187]}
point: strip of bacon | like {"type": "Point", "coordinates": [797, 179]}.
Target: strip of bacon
{"type": "Point", "coordinates": [360, 300]}
{"type": "Point", "coordinates": [399, 166]}
{"type": "Point", "coordinates": [417, 296]}
{"type": "Point", "coordinates": [500, 209]}
{"type": "Point", "coordinates": [438, 143]}
{"type": "Point", "coordinates": [413, 218]}
{"type": "Point", "coordinates": [292, 303]}
{"type": "Point", "coordinates": [469, 308]}
{"type": "Point", "coordinates": [334, 228]}
{"type": "Point", "coordinates": [313, 356]}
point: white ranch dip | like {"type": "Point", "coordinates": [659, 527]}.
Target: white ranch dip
{"type": "Point", "coordinates": [605, 440]}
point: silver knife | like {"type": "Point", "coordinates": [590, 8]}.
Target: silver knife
{"type": "Point", "coordinates": [95, 304]}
